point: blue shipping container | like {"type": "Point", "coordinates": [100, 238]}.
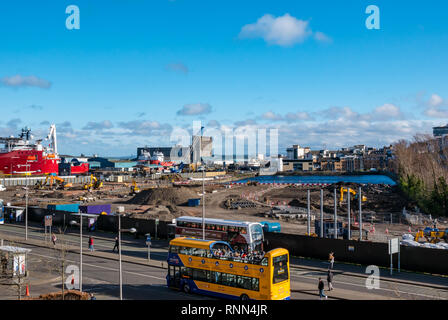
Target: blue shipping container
{"type": "Point", "coordinates": [194, 202]}
{"type": "Point", "coordinates": [69, 207]}
{"type": "Point", "coordinates": [270, 226]}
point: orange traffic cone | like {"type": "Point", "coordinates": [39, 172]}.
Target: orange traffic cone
{"type": "Point", "coordinates": [73, 279]}
{"type": "Point", "coordinates": [409, 230]}
{"type": "Point", "coordinates": [387, 231]}
{"type": "Point", "coordinates": [27, 292]}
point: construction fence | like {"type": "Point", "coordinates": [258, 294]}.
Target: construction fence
{"type": "Point", "coordinates": [352, 251]}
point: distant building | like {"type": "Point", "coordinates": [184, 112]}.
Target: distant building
{"type": "Point", "coordinates": [440, 131]}
{"type": "Point", "coordinates": [298, 165]}
{"type": "Point", "coordinates": [296, 152]}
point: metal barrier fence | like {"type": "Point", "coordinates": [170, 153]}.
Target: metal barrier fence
{"type": "Point", "coordinates": [23, 181]}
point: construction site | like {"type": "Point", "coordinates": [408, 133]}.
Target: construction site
{"type": "Point", "coordinates": [385, 213]}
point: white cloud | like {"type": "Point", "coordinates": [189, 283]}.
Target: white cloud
{"type": "Point", "coordinates": [435, 100]}
{"type": "Point", "coordinates": [18, 81]}
{"type": "Point", "coordinates": [283, 31]}
{"type": "Point", "coordinates": [436, 107]}
{"type": "Point", "coordinates": [322, 37]}
{"type": "Point", "coordinates": [177, 67]}
{"type": "Point", "coordinates": [106, 124]}
{"type": "Point", "coordinates": [195, 109]}
{"type": "Point", "coordinates": [289, 117]}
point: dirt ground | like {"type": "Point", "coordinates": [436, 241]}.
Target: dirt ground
{"type": "Point", "coordinates": [167, 202]}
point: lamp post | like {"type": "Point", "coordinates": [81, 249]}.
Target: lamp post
{"type": "Point", "coordinates": [203, 186]}
{"type": "Point", "coordinates": [131, 230]}
{"type": "Point", "coordinates": [80, 248]}
{"type": "Point", "coordinates": [27, 165]}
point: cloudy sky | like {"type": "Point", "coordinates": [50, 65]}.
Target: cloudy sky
{"type": "Point", "coordinates": [137, 70]}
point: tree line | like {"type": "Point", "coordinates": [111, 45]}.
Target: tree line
{"type": "Point", "coordinates": [422, 170]}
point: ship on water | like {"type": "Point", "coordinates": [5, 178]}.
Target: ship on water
{"type": "Point", "coordinates": [157, 158]}
{"type": "Point", "coordinates": [23, 156]}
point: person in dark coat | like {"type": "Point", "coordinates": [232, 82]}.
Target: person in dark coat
{"type": "Point", "coordinates": [321, 287]}
{"type": "Point", "coordinates": [116, 244]}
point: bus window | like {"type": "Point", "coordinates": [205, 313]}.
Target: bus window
{"type": "Point", "coordinates": [264, 262]}
{"type": "Point", "coordinates": [255, 284]}
{"type": "Point", "coordinates": [256, 231]}
{"type": "Point", "coordinates": [200, 275]}
{"type": "Point", "coordinates": [174, 249]}
{"type": "Point", "coordinates": [280, 264]}
{"type": "Point", "coordinates": [215, 277]}
{"type": "Point", "coordinates": [244, 282]}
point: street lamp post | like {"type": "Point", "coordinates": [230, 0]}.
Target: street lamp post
{"type": "Point", "coordinates": [203, 187]}
{"type": "Point", "coordinates": [80, 251]}
{"type": "Point", "coordinates": [132, 230]}
{"type": "Point", "coordinates": [26, 201]}
{"type": "Point", "coordinates": [73, 222]}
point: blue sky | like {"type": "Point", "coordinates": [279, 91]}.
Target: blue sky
{"type": "Point", "coordinates": [136, 69]}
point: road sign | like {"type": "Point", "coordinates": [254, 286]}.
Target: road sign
{"type": "Point", "coordinates": [157, 221]}
{"type": "Point", "coordinates": [394, 245]}
{"type": "Point", "coordinates": [48, 221]}
{"type": "Point", "coordinates": [148, 240]}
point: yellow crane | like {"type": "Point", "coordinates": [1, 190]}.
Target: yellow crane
{"type": "Point", "coordinates": [353, 192]}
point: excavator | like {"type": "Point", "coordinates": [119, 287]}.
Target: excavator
{"type": "Point", "coordinates": [432, 235]}
{"type": "Point", "coordinates": [134, 188]}
{"type": "Point", "coordinates": [95, 183]}
{"type": "Point", "coordinates": [60, 183]}
{"type": "Point", "coordinates": [353, 192]}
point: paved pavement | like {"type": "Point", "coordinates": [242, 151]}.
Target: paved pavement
{"type": "Point", "coordinates": [349, 279]}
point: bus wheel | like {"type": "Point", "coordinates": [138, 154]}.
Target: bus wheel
{"type": "Point", "coordinates": [244, 297]}
{"type": "Point", "coordinates": [186, 288]}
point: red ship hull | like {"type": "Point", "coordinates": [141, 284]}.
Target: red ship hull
{"type": "Point", "coordinates": [19, 162]}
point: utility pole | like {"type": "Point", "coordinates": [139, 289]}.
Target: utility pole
{"type": "Point", "coordinates": [321, 213]}
{"type": "Point", "coordinates": [348, 214]}
{"type": "Point", "coordinates": [119, 256]}
{"type": "Point", "coordinates": [360, 213]}
{"type": "Point", "coordinates": [26, 202]}
{"type": "Point", "coordinates": [335, 215]}
{"type": "Point", "coordinates": [308, 227]}
{"type": "Point", "coordinates": [80, 251]}
{"type": "Point", "coordinates": [203, 187]}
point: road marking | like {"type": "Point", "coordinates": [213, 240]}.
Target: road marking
{"type": "Point", "coordinates": [100, 267]}
{"type": "Point", "coordinates": [384, 289]}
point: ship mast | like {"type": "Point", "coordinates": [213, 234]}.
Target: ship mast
{"type": "Point", "coordinates": [52, 137]}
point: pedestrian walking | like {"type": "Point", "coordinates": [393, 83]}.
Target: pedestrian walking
{"type": "Point", "coordinates": [53, 238]}
{"type": "Point", "coordinates": [331, 260]}
{"type": "Point", "coordinates": [330, 280]}
{"type": "Point", "coordinates": [321, 287]}
{"type": "Point", "coordinates": [116, 245]}
{"type": "Point", "coordinates": [90, 243]}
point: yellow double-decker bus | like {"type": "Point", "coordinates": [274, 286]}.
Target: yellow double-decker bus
{"type": "Point", "coordinates": [214, 268]}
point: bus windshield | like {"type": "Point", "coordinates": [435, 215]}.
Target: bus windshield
{"type": "Point", "coordinates": [280, 264]}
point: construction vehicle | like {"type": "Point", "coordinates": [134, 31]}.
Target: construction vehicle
{"type": "Point", "coordinates": [432, 235]}
{"type": "Point", "coordinates": [53, 182]}
{"type": "Point", "coordinates": [252, 183]}
{"type": "Point", "coordinates": [95, 183]}
{"type": "Point", "coordinates": [134, 187]}
{"type": "Point", "coordinates": [344, 190]}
